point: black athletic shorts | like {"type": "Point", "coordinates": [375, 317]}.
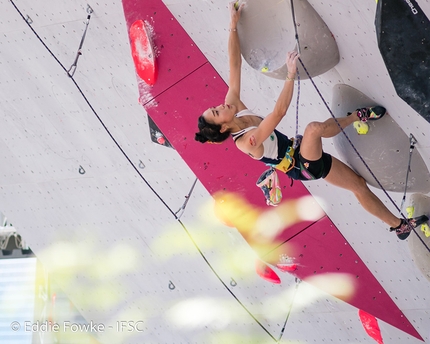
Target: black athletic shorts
{"type": "Point", "coordinates": [316, 169]}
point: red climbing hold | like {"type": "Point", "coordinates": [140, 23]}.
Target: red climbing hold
{"type": "Point", "coordinates": [143, 52]}
{"type": "Point", "coordinates": [266, 272]}
{"type": "Point", "coordinates": [371, 326]}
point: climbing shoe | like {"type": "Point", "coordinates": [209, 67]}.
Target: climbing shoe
{"type": "Point", "coordinates": [406, 226]}
{"type": "Point", "coordinates": [371, 113]}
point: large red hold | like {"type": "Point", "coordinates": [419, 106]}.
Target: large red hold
{"type": "Point", "coordinates": [371, 326]}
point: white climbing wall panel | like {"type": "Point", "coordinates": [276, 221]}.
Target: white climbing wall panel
{"type": "Point", "coordinates": [95, 199]}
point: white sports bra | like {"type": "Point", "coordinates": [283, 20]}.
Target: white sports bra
{"type": "Point", "coordinates": [270, 145]}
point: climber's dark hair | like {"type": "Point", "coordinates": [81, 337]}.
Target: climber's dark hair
{"type": "Point", "coordinates": [210, 132]}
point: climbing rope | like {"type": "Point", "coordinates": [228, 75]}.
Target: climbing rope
{"type": "Point", "coordinates": [297, 108]}
{"type": "Point", "coordinates": [296, 141]}
{"type": "Point", "coordinates": [295, 25]}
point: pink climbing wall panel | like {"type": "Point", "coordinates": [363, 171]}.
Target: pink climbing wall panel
{"type": "Point", "coordinates": [187, 84]}
{"type": "Point", "coordinates": [322, 249]}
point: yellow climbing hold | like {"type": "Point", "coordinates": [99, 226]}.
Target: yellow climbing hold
{"type": "Point", "coordinates": [410, 212]}
{"type": "Point", "coordinates": [426, 229]}
{"type": "Point", "coordinates": [236, 5]}
{"type": "Point", "coordinates": [265, 69]}
{"type": "Point", "coordinates": [361, 127]}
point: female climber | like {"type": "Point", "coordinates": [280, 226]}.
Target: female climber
{"type": "Point", "coordinates": [258, 138]}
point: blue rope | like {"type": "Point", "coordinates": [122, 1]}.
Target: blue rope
{"type": "Point", "coordinates": [297, 104]}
